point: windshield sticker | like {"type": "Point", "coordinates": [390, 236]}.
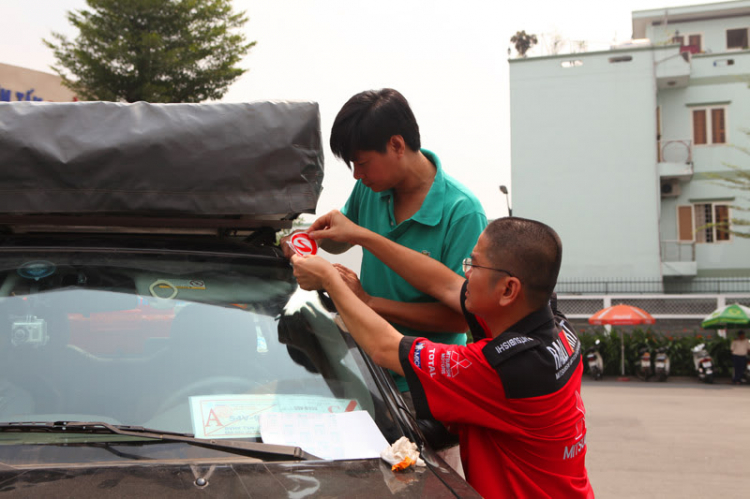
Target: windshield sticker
{"type": "Point", "coordinates": [303, 244]}
{"type": "Point", "coordinates": [325, 435]}
{"type": "Point", "coordinates": [236, 416]}
{"type": "Point", "coordinates": [182, 284]}
{"type": "Point", "coordinates": [36, 270]}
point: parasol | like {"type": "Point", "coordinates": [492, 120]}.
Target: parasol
{"type": "Point", "coordinates": [731, 316]}
{"type": "Point", "coordinates": [621, 315]}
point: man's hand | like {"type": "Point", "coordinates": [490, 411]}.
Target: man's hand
{"type": "Point", "coordinates": [313, 272]}
{"type": "Point", "coordinates": [351, 280]}
{"type": "Point", "coordinates": [336, 227]}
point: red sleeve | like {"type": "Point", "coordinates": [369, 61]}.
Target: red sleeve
{"type": "Point", "coordinates": [452, 383]}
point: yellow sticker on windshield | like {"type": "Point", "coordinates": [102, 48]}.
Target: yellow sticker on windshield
{"type": "Point", "coordinates": [184, 284]}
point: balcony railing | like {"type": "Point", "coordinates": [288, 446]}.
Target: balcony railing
{"type": "Point", "coordinates": [677, 251]}
{"type": "Point", "coordinates": [676, 151]}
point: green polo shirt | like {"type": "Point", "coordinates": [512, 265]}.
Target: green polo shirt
{"type": "Point", "coordinates": [446, 227]}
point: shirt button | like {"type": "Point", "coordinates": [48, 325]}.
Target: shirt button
{"type": "Point", "coordinates": [391, 224]}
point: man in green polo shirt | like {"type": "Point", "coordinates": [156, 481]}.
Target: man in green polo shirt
{"type": "Point", "coordinates": [402, 193]}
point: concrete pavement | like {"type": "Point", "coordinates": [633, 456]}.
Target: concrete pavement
{"type": "Point", "coordinates": [679, 439]}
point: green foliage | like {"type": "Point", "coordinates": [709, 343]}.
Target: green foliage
{"type": "Point", "coordinates": [152, 50]}
{"type": "Point", "coordinates": [680, 350]}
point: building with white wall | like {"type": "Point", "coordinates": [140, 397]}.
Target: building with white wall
{"type": "Point", "coordinates": [614, 149]}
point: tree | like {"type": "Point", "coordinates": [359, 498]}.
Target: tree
{"type": "Point", "coordinates": [152, 50]}
{"type": "Point", "coordinates": [739, 179]}
{"type": "Point", "coordinates": [523, 42]}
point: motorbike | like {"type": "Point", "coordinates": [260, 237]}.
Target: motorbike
{"type": "Point", "coordinates": [595, 361]}
{"type": "Point", "coordinates": [643, 369]}
{"type": "Point", "coordinates": [661, 363]}
{"type": "Point", "coordinates": [704, 365]}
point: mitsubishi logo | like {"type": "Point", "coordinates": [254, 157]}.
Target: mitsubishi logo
{"type": "Point", "coordinates": [456, 362]}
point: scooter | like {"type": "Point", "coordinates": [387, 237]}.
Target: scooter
{"type": "Point", "coordinates": [643, 369]}
{"type": "Point", "coordinates": [704, 365]}
{"type": "Point", "coordinates": [595, 361]}
{"type": "Point", "coordinates": [661, 363]}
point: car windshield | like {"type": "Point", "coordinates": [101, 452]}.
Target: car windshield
{"type": "Point", "coordinates": [183, 342]}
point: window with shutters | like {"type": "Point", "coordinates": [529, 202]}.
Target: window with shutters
{"type": "Point", "coordinates": [711, 222]}
{"type": "Point", "coordinates": [709, 125]}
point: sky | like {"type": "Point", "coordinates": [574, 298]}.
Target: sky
{"type": "Point", "coordinates": [448, 58]}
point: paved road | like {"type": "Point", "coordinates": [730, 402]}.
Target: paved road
{"type": "Point", "coordinates": [679, 439]}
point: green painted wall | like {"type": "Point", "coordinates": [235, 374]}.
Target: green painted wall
{"type": "Point", "coordinates": [584, 154]}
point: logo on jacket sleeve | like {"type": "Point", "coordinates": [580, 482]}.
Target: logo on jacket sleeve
{"type": "Point", "coordinates": [418, 355]}
{"type": "Point", "coordinates": [451, 363]}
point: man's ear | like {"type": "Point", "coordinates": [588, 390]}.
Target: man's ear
{"type": "Point", "coordinates": [398, 144]}
{"type": "Point", "coordinates": [508, 291]}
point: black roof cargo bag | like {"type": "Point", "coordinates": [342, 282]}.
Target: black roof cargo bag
{"type": "Point", "coordinates": [261, 160]}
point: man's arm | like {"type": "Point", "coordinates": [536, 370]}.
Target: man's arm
{"type": "Point", "coordinates": [431, 317]}
{"type": "Point", "coordinates": [371, 332]}
{"type": "Point", "coordinates": [424, 273]}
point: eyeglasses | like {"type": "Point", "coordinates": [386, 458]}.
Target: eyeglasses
{"type": "Point", "coordinates": [467, 265]}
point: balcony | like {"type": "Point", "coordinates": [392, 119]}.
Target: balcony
{"type": "Point", "coordinates": [675, 159]}
{"type": "Point", "coordinates": [678, 259]}
{"type": "Point", "coordinates": [672, 67]}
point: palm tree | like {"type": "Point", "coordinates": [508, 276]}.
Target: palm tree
{"type": "Point", "coordinates": [523, 42]}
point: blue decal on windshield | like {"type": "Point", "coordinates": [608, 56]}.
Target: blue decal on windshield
{"type": "Point", "coordinates": [36, 270]}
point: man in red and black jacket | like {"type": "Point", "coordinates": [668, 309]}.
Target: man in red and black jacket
{"type": "Point", "coordinates": [513, 396]}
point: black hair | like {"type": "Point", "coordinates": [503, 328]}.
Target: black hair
{"type": "Point", "coordinates": [367, 122]}
{"type": "Point", "coordinates": [529, 249]}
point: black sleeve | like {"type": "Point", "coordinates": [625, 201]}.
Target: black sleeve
{"type": "Point", "coordinates": [477, 331]}
{"type": "Point", "coordinates": [418, 395]}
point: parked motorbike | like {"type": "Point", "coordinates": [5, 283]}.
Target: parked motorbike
{"type": "Point", "coordinates": [704, 365]}
{"type": "Point", "coordinates": [661, 363]}
{"type": "Point", "coordinates": [643, 370]}
{"type": "Point", "coordinates": [595, 361]}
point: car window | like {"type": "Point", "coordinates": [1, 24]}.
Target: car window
{"type": "Point", "coordinates": [174, 342]}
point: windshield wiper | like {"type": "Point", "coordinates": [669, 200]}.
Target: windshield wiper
{"type": "Point", "coordinates": [267, 452]}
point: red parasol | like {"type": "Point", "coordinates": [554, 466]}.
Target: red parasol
{"type": "Point", "coordinates": [621, 315]}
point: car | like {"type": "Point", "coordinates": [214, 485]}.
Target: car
{"type": "Point", "coordinates": [154, 341]}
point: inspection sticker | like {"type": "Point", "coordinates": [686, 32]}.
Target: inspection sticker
{"type": "Point", "coordinates": [236, 416]}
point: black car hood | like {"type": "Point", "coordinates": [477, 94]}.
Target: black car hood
{"type": "Point", "coordinates": [232, 478]}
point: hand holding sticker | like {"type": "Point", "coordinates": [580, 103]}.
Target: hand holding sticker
{"type": "Point", "coordinates": [302, 244]}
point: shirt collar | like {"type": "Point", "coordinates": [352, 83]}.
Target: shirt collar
{"type": "Point", "coordinates": [431, 211]}
{"type": "Point", "coordinates": [533, 321]}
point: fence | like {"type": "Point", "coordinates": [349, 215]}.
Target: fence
{"type": "Point", "coordinates": [674, 313]}
{"type": "Point", "coordinates": [676, 286]}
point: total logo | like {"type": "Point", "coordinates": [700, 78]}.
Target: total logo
{"type": "Point", "coordinates": [302, 244]}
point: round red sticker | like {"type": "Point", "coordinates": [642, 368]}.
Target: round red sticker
{"type": "Point", "coordinates": [303, 244]}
